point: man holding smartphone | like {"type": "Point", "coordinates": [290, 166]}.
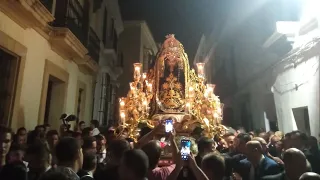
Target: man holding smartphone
{"type": "Point", "coordinates": [153, 151]}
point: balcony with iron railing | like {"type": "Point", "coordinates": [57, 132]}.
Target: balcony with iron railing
{"type": "Point", "coordinates": [28, 14]}
{"type": "Point", "coordinates": [71, 35]}
{"type": "Point", "coordinates": [93, 45]}
{"type": "Point", "coordinates": [64, 23]}
{"type": "Point", "coordinates": [120, 60]}
{"type": "Point", "coordinates": [70, 14]}
{"type": "Point", "coordinates": [111, 42]}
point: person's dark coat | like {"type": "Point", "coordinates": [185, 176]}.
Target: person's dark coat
{"type": "Point", "coordinates": [267, 167]}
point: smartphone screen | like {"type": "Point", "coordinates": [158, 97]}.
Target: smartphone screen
{"type": "Point", "coordinates": [169, 125]}
{"type": "Point", "coordinates": [185, 149]}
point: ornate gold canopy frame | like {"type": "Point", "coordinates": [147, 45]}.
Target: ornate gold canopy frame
{"type": "Point", "coordinates": [171, 90]}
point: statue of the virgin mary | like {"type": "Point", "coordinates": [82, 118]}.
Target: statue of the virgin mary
{"type": "Point", "coordinates": [170, 71]}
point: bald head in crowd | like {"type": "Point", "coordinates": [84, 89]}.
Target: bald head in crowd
{"type": "Point", "coordinates": [310, 176]}
{"type": "Point", "coordinates": [295, 163]}
{"type": "Point", "coordinates": [254, 152]}
{"type": "Point", "coordinates": [264, 135]}
{"type": "Point", "coordinates": [262, 142]}
{"type": "Point", "coordinates": [254, 145]}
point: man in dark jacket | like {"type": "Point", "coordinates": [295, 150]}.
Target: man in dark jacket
{"type": "Point", "coordinates": [295, 165]}
{"type": "Point", "coordinates": [88, 167]}
{"type": "Point", "coordinates": [257, 165]}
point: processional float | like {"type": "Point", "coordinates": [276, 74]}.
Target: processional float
{"type": "Point", "coordinates": [171, 90]}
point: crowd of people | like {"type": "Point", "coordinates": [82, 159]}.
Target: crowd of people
{"type": "Point", "coordinates": [86, 154]}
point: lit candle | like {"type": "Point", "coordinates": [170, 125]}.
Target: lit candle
{"type": "Point", "coordinates": [206, 94]}
{"type": "Point", "coordinates": [200, 69]}
{"type": "Point", "coordinates": [122, 102]}
{"type": "Point", "coordinates": [149, 85]}
{"type": "Point", "coordinates": [191, 91]}
{"type": "Point", "coordinates": [131, 86]}
{"type": "Point", "coordinates": [219, 110]}
{"type": "Point", "coordinates": [206, 121]}
{"type": "Point", "coordinates": [122, 116]}
{"type": "Point", "coordinates": [144, 76]}
{"type": "Point", "coordinates": [215, 115]}
{"type": "Point", "coordinates": [137, 70]}
{"type": "Point", "coordinates": [188, 107]}
{"type": "Point", "coordinates": [145, 104]}
{"type": "Point", "coordinates": [210, 89]}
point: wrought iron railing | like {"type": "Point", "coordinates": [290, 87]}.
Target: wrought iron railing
{"type": "Point", "coordinates": [70, 14]}
{"type": "Point", "coordinates": [94, 45]}
{"type": "Point", "coordinates": [120, 59]}
{"type": "Point", "coordinates": [97, 5]}
{"type": "Point", "coordinates": [115, 40]}
{"type": "Point", "coordinates": [48, 4]}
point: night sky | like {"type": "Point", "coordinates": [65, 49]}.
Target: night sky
{"type": "Point", "coordinates": [188, 19]}
{"type": "Point", "coordinates": [184, 18]}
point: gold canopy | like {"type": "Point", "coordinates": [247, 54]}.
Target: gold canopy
{"type": "Point", "coordinates": [171, 90]}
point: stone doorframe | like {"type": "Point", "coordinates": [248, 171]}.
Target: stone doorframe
{"type": "Point", "coordinates": [50, 69]}
{"type": "Point", "coordinates": [18, 50]}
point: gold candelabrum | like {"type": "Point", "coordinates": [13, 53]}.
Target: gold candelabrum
{"type": "Point", "coordinates": [203, 104]}
{"type": "Point", "coordinates": [135, 107]}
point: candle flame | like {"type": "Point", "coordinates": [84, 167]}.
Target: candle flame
{"type": "Point", "coordinates": [122, 103]}
{"type": "Point", "coordinates": [200, 65]}
{"type": "Point", "coordinates": [145, 103]}
{"type": "Point", "coordinates": [131, 85]}
{"type": "Point", "coordinates": [206, 121]}
{"type": "Point", "coordinates": [219, 110]}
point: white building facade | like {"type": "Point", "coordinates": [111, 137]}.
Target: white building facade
{"type": "Point", "coordinates": [110, 63]}
{"type": "Point", "coordinates": [50, 52]}
{"type": "Point", "coordinates": [296, 89]}
{"type": "Point", "coordinates": [138, 46]}
{"type": "Point", "coordinates": [260, 87]}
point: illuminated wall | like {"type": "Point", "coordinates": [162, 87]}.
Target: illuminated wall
{"type": "Point", "coordinates": [38, 50]}
{"type": "Point", "coordinates": [296, 89]}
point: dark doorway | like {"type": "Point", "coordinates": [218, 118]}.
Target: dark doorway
{"type": "Point", "coordinates": [9, 70]}
{"type": "Point", "coordinates": [54, 101]}
{"type": "Point", "coordinates": [49, 96]}
{"type": "Point", "coordinates": [301, 117]}
{"type": "Point", "coordinates": [246, 117]}
{"type": "Point", "coordinates": [270, 110]}
{"type": "Point", "coordinates": [79, 104]}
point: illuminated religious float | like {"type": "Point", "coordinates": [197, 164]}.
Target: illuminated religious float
{"type": "Point", "coordinates": [171, 90]}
